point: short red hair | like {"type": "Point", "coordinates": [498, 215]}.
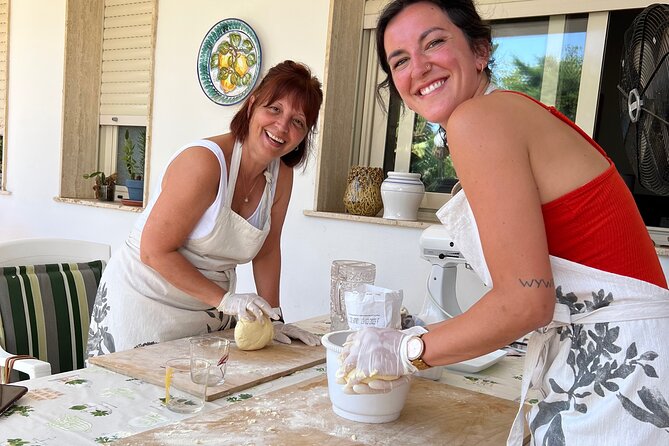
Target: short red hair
{"type": "Point", "coordinates": [287, 79]}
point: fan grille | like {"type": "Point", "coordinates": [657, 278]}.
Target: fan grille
{"type": "Point", "coordinates": [645, 70]}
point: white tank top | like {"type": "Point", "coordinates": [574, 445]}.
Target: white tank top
{"type": "Point", "coordinates": [206, 223]}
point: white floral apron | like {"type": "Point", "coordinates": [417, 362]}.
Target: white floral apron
{"type": "Point", "coordinates": [136, 306]}
{"type": "Point", "coordinates": [602, 364]}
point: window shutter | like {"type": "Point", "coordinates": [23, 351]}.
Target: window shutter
{"type": "Point", "coordinates": [127, 62]}
{"type": "Point", "coordinates": [4, 36]}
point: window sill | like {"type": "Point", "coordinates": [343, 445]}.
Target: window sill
{"type": "Point", "coordinates": [421, 224]}
{"type": "Point", "coordinates": [99, 204]}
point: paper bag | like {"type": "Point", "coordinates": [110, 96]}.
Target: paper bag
{"type": "Point", "coordinates": [373, 306]}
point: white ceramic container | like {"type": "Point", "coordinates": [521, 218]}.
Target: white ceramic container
{"type": "Point", "coordinates": [402, 193]}
{"type": "Point", "coordinates": [374, 408]}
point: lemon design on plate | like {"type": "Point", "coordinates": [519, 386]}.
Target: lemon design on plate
{"type": "Point", "coordinates": [229, 60]}
{"type": "Point", "coordinates": [233, 59]}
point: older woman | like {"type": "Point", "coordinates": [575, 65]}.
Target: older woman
{"type": "Point", "coordinates": [546, 221]}
{"type": "Point", "coordinates": [222, 202]}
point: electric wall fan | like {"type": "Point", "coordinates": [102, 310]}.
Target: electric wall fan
{"type": "Point", "coordinates": [644, 84]}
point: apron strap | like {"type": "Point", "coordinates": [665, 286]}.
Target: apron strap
{"type": "Point", "coordinates": [234, 172]}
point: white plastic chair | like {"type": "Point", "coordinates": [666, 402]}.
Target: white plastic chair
{"type": "Point", "coordinates": [39, 251]}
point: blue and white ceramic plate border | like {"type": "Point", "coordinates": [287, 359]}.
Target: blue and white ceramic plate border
{"type": "Point", "coordinates": [249, 46]}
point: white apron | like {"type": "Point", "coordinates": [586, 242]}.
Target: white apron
{"type": "Point", "coordinates": [136, 306]}
{"type": "Point", "coordinates": [601, 365]}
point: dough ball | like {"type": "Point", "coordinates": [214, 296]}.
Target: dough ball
{"type": "Point", "coordinates": [253, 335]}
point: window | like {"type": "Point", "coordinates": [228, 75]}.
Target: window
{"type": "Point", "coordinates": [542, 57]}
{"type": "Point", "coordinates": [560, 49]}
{"type": "Point", "coordinates": [4, 47]}
{"type": "Point", "coordinates": [125, 90]}
{"type": "Point", "coordinates": [102, 107]}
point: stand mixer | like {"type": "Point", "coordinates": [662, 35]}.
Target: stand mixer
{"type": "Point", "coordinates": [441, 301]}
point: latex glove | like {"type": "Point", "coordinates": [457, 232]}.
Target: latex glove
{"type": "Point", "coordinates": [374, 358]}
{"type": "Point", "coordinates": [284, 332]}
{"type": "Point", "coordinates": [247, 306]}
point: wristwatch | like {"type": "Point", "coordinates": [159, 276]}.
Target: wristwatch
{"type": "Point", "coordinates": [415, 350]}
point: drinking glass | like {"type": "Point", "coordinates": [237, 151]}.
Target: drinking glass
{"type": "Point", "coordinates": [211, 349]}
{"type": "Point", "coordinates": [178, 400]}
{"type": "Point", "coordinates": [346, 275]}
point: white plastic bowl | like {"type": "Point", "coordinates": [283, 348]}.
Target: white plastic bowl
{"type": "Point", "coordinates": [375, 408]}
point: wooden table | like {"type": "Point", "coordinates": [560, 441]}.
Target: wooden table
{"type": "Point", "coordinates": [435, 413]}
{"type": "Point", "coordinates": [245, 368]}
{"type": "Point", "coordinates": [96, 405]}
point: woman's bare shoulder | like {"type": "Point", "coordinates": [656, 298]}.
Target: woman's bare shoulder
{"type": "Point", "coordinates": [495, 108]}
{"type": "Point", "coordinates": [488, 122]}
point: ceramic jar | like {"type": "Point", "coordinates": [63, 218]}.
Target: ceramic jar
{"type": "Point", "coordinates": [402, 194]}
{"type": "Point", "coordinates": [363, 191]}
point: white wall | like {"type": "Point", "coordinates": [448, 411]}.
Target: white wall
{"type": "Point", "coordinates": [34, 134]}
{"type": "Point", "coordinates": [286, 29]}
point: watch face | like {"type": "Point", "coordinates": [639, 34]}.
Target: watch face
{"type": "Point", "coordinates": [415, 348]}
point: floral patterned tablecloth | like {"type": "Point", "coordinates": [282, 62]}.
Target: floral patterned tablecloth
{"type": "Point", "coordinates": [97, 406]}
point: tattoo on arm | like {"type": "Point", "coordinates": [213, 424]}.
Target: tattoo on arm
{"type": "Point", "coordinates": [536, 283]}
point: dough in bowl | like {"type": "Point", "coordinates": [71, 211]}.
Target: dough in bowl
{"type": "Point", "coordinates": [253, 335]}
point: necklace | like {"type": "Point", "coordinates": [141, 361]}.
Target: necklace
{"type": "Point", "coordinates": [248, 192]}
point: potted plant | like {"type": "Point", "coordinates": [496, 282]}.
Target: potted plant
{"type": "Point", "coordinates": [135, 167]}
{"type": "Point", "coordinates": [104, 185]}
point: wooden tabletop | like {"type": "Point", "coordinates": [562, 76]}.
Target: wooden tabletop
{"type": "Point", "coordinates": [435, 413]}
{"type": "Point", "coordinates": [245, 368]}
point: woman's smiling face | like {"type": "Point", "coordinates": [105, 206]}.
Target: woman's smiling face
{"type": "Point", "coordinates": [277, 127]}
{"type": "Point", "coordinates": [431, 62]}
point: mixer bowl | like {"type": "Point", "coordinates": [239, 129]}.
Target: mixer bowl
{"type": "Point", "coordinates": [374, 408]}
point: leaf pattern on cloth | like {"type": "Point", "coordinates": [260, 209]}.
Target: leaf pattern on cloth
{"type": "Point", "coordinates": [101, 340]}
{"type": "Point", "coordinates": [658, 409]}
{"type": "Point", "coordinates": [98, 334]}
{"type": "Point", "coordinates": [597, 366]}
{"type": "Point", "coordinates": [218, 317]}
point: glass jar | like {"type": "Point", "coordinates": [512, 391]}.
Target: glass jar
{"type": "Point", "coordinates": [346, 275]}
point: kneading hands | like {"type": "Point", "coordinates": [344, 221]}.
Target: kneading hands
{"type": "Point", "coordinates": [247, 306]}
{"type": "Point", "coordinates": [374, 360]}
{"type": "Point", "coordinates": [250, 306]}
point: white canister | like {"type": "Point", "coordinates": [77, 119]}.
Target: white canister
{"type": "Point", "coordinates": [402, 193]}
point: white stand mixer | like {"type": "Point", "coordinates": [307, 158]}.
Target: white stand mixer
{"type": "Point", "coordinates": [441, 302]}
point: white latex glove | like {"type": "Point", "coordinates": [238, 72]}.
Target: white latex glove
{"type": "Point", "coordinates": [375, 359]}
{"type": "Point", "coordinates": [247, 306]}
{"type": "Point", "coordinates": [284, 332]}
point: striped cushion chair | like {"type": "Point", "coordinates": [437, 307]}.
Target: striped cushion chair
{"type": "Point", "coordinates": [45, 312]}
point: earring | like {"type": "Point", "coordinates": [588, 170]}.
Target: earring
{"type": "Point", "coordinates": [296, 149]}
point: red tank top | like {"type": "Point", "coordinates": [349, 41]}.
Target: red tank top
{"type": "Point", "coordinates": [599, 225]}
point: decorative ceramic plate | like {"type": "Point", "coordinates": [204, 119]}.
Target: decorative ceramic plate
{"type": "Point", "coordinates": [228, 64]}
